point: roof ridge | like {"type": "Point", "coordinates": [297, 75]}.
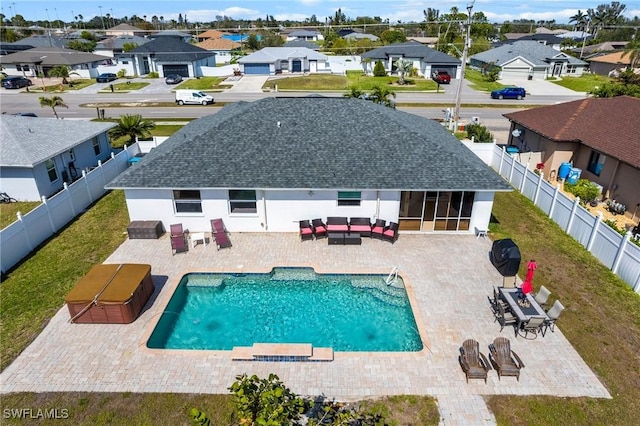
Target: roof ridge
{"type": "Point", "coordinates": [575, 115]}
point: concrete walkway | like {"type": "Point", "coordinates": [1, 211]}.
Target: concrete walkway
{"type": "Point", "coordinates": [541, 88]}
{"type": "Point", "coordinates": [448, 278]}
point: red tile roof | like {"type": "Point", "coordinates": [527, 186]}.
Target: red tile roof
{"type": "Point", "coordinates": [609, 125]}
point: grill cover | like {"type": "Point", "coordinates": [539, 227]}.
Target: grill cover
{"type": "Point", "coordinates": [505, 256]}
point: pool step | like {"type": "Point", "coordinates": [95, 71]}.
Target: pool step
{"type": "Point", "coordinates": [293, 352]}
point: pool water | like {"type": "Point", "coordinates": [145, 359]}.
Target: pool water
{"type": "Point", "coordinates": [288, 305]}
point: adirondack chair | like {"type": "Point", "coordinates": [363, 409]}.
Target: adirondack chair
{"type": "Point", "coordinates": [474, 364]}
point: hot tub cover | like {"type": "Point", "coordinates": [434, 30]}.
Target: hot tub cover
{"type": "Point", "coordinates": [114, 283]}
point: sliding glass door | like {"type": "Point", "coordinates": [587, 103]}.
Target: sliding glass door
{"type": "Point", "coordinates": [435, 211]}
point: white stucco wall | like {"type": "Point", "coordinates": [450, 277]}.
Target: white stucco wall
{"type": "Point", "coordinates": [482, 205]}
{"type": "Point", "coordinates": [19, 183]}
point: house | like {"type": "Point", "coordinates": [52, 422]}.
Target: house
{"type": "Point", "coordinates": [209, 34]}
{"type": "Point", "coordinates": [40, 154]}
{"type": "Point", "coordinates": [170, 55]}
{"type": "Point", "coordinates": [125, 30]}
{"type": "Point", "coordinates": [308, 35]}
{"type": "Point", "coordinates": [185, 37]}
{"type": "Point", "coordinates": [427, 41]}
{"type": "Point", "coordinates": [425, 59]}
{"type": "Point", "coordinates": [38, 60]}
{"type": "Point", "coordinates": [522, 60]}
{"type": "Point", "coordinates": [276, 60]}
{"type": "Point", "coordinates": [222, 47]}
{"type": "Point", "coordinates": [114, 46]}
{"type": "Point", "coordinates": [262, 166]}
{"type": "Point", "coordinates": [609, 63]}
{"type": "Point", "coordinates": [598, 135]}
{"type": "Point", "coordinates": [41, 40]}
{"type": "Point", "coordinates": [607, 46]}
{"type": "Point", "coordinates": [361, 36]}
{"type": "Point", "coordinates": [545, 39]}
{"type": "Point", "coordinates": [302, 43]}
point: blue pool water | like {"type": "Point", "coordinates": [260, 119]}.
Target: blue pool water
{"type": "Point", "coordinates": [288, 305]}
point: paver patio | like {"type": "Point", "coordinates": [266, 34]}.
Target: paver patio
{"type": "Point", "coordinates": [449, 277]}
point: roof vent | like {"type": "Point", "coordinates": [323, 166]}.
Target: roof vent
{"type": "Point", "coordinates": [278, 124]}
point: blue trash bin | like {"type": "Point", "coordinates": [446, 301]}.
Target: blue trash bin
{"type": "Point", "coordinates": [574, 175]}
{"type": "Point", "coordinates": [564, 170]}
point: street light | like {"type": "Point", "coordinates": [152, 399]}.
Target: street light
{"type": "Point", "coordinates": [467, 40]}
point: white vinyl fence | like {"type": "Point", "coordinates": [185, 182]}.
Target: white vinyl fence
{"type": "Point", "coordinates": [24, 235]}
{"type": "Point", "coordinates": [612, 249]}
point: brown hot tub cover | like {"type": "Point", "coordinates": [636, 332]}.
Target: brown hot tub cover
{"type": "Point", "coordinates": [110, 294]}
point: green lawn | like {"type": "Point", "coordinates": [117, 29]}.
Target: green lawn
{"type": "Point", "coordinates": [158, 130]}
{"type": "Point", "coordinates": [126, 87]}
{"type": "Point", "coordinates": [478, 82]}
{"type": "Point", "coordinates": [73, 85]}
{"type": "Point", "coordinates": [8, 211]}
{"type": "Point", "coordinates": [353, 79]}
{"type": "Point", "coordinates": [584, 83]}
{"type": "Point", "coordinates": [202, 83]}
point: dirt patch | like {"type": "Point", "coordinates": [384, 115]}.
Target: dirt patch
{"type": "Point", "coordinates": [622, 221]}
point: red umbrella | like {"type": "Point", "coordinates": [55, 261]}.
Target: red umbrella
{"type": "Point", "coordinates": [531, 267]}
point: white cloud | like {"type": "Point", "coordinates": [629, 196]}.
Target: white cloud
{"type": "Point", "coordinates": [291, 16]}
{"type": "Point", "coordinates": [208, 15]}
{"type": "Point", "coordinates": [310, 2]}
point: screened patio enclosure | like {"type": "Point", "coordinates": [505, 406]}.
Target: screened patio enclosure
{"type": "Point", "coordinates": [435, 210]}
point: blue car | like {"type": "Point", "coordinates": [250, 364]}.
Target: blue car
{"type": "Point", "coordinates": [509, 93]}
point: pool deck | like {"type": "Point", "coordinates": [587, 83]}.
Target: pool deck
{"type": "Point", "coordinates": [448, 278]}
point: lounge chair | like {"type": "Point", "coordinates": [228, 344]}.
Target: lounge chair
{"type": "Point", "coordinates": [319, 228]}
{"type": "Point", "coordinates": [337, 224]}
{"type": "Point", "coordinates": [360, 225]}
{"type": "Point", "coordinates": [474, 364]}
{"type": "Point", "coordinates": [178, 244]}
{"type": "Point", "coordinates": [542, 296]}
{"type": "Point", "coordinates": [176, 229]}
{"type": "Point", "coordinates": [219, 234]}
{"type": "Point", "coordinates": [390, 232]}
{"type": "Point", "coordinates": [378, 228]}
{"type": "Point", "coordinates": [553, 314]}
{"type": "Point", "coordinates": [306, 230]}
{"type": "Point", "coordinates": [505, 361]}
{"type": "Point", "coordinates": [533, 326]}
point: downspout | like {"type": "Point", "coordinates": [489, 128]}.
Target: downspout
{"type": "Point", "coordinates": [377, 204]}
{"type": "Point", "coordinates": [264, 211]}
{"type": "Point", "coordinates": [607, 193]}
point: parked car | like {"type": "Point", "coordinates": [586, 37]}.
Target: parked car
{"type": "Point", "coordinates": [15, 82]}
{"type": "Point", "coordinates": [25, 114]}
{"type": "Point", "coordinates": [173, 79]}
{"type": "Point", "coordinates": [509, 93]}
{"type": "Point", "coordinates": [193, 97]}
{"type": "Point", "coordinates": [441, 77]}
{"type": "Point", "coordinates": [106, 77]}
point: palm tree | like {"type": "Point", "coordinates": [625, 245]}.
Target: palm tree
{"type": "Point", "coordinates": [580, 20]}
{"type": "Point", "coordinates": [380, 95]}
{"type": "Point", "coordinates": [132, 126]}
{"type": "Point", "coordinates": [403, 66]}
{"type": "Point", "coordinates": [61, 71]}
{"type": "Point", "coordinates": [52, 102]}
{"type": "Point", "coordinates": [354, 92]}
{"type": "Point", "coordinates": [632, 50]}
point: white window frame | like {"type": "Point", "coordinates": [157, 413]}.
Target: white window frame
{"type": "Point", "coordinates": [240, 206]}
{"type": "Point", "coordinates": [50, 165]}
{"type": "Point", "coordinates": [187, 202]}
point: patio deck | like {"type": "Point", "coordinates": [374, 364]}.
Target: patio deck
{"type": "Point", "coordinates": [448, 277]}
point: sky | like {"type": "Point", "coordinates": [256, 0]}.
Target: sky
{"type": "Point", "coordinates": [206, 11]}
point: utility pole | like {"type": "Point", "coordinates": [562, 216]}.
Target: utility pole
{"type": "Point", "coordinates": [101, 18]}
{"type": "Point", "coordinates": [467, 41]}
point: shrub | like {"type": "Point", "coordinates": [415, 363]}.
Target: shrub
{"type": "Point", "coordinates": [584, 189]}
{"type": "Point", "coordinates": [122, 73]}
{"type": "Point", "coordinates": [153, 74]}
{"type": "Point", "coordinates": [379, 70]}
{"type": "Point", "coordinates": [479, 133]}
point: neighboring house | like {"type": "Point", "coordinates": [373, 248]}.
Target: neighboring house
{"type": "Point", "coordinates": [607, 46]}
{"type": "Point", "coordinates": [39, 40]}
{"type": "Point", "coordinates": [114, 46]}
{"type": "Point", "coordinates": [609, 63]}
{"type": "Point", "coordinates": [38, 60]}
{"type": "Point", "coordinates": [425, 60]}
{"type": "Point", "coordinates": [361, 36]}
{"type": "Point", "coordinates": [170, 55]}
{"type": "Point", "coordinates": [185, 37]}
{"type": "Point", "coordinates": [209, 34]}
{"type": "Point", "coordinates": [308, 35]}
{"type": "Point", "coordinates": [40, 154]}
{"type": "Point", "coordinates": [598, 135]}
{"type": "Point", "coordinates": [550, 40]}
{"type": "Point", "coordinates": [125, 30]}
{"type": "Point", "coordinates": [302, 43]}
{"type": "Point", "coordinates": [427, 41]}
{"type": "Point", "coordinates": [262, 166]}
{"type": "Point", "coordinates": [276, 60]}
{"type": "Point", "coordinates": [522, 60]}
{"type": "Point", "coordinates": [576, 35]}
{"type": "Point", "coordinates": [222, 47]}
{"type": "Point", "coordinates": [9, 48]}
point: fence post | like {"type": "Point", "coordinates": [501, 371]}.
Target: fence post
{"type": "Point", "coordinates": [623, 244]}
{"type": "Point", "coordinates": [524, 178]}
{"type": "Point", "coordinates": [576, 202]}
{"type": "Point", "coordinates": [68, 194]}
{"type": "Point", "coordinates": [503, 152]}
{"type": "Point", "coordinates": [104, 181]}
{"type": "Point", "coordinates": [537, 193]}
{"type": "Point", "coordinates": [513, 165]}
{"type": "Point", "coordinates": [554, 200]}
{"type": "Point", "coordinates": [53, 227]}
{"type": "Point", "coordinates": [594, 231]}
{"type": "Point", "coordinates": [86, 185]}
{"type": "Point", "coordinates": [26, 232]}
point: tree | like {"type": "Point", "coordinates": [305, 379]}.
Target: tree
{"type": "Point", "coordinates": [403, 66]}
{"type": "Point", "coordinates": [127, 47]}
{"type": "Point", "coordinates": [580, 20]}
{"type": "Point", "coordinates": [479, 133]}
{"type": "Point", "coordinates": [63, 72]}
{"type": "Point", "coordinates": [378, 69]}
{"type": "Point", "coordinates": [52, 102]}
{"type": "Point", "coordinates": [82, 45]}
{"type": "Point", "coordinates": [393, 36]}
{"type": "Point", "coordinates": [380, 95]}
{"type": "Point", "coordinates": [632, 50]}
{"type": "Point", "coordinates": [354, 92]}
{"type": "Point", "coordinates": [132, 126]}
{"type": "Point", "coordinates": [252, 42]}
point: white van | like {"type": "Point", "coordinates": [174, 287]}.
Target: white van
{"type": "Point", "coordinates": [192, 97]}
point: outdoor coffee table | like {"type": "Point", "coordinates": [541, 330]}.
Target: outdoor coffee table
{"type": "Point", "coordinates": [197, 236]}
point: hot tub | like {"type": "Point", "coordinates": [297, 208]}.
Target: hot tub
{"type": "Point", "coordinates": [110, 294]}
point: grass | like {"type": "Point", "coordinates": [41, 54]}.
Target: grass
{"type": "Point", "coordinates": [8, 211]}
{"type": "Point", "coordinates": [158, 130]}
{"type": "Point", "coordinates": [126, 87]}
{"type": "Point", "coordinates": [202, 83]}
{"type": "Point", "coordinates": [584, 83]}
{"type": "Point", "coordinates": [601, 320]}
{"type": "Point", "coordinates": [353, 79]}
{"type": "Point", "coordinates": [75, 85]}
{"type": "Point", "coordinates": [478, 82]}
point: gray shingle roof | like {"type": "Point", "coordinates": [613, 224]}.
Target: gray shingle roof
{"type": "Point", "coordinates": [411, 49]}
{"type": "Point", "coordinates": [302, 43]}
{"type": "Point", "coordinates": [27, 141]}
{"type": "Point", "coordinates": [171, 49]}
{"type": "Point", "coordinates": [118, 42]}
{"type": "Point", "coordinates": [535, 52]}
{"type": "Point", "coordinates": [274, 54]}
{"type": "Point", "coordinates": [51, 56]}
{"type": "Point", "coordinates": [313, 142]}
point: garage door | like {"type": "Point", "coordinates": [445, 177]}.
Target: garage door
{"type": "Point", "coordinates": [514, 73]}
{"type": "Point", "coordinates": [256, 69]}
{"type": "Point", "coordinates": [182, 70]}
{"type": "Point", "coordinates": [450, 70]}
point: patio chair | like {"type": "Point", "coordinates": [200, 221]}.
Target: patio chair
{"type": "Point", "coordinates": [319, 228]}
{"type": "Point", "coordinates": [542, 296]}
{"type": "Point", "coordinates": [306, 230]}
{"type": "Point", "coordinates": [505, 317]}
{"type": "Point", "coordinates": [390, 232]}
{"type": "Point", "coordinates": [505, 361]}
{"type": "Point", "coordinates": [534, 325]}
{"type": "Point", "coordinates": [493, 303]}
{"type": "Point", "coordinates": [553, 313]}
{"type": "Point", "coordinates": [474, 364]}
{"type": "Point", "coordinates": [178, 244]}
{"type": "Point", "coordinates": [176, 229]}
{"type": "Point", "coordinates": [378, 228]}
{"type": "Point", "coordinates": [219, 234]}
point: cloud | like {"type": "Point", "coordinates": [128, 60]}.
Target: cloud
{"type": "Point", "coordinates": [291, 16]}
{"type": "Point", "coordinates": [310, 2]}
{"type": "Point", "coordinates": [208, 15]}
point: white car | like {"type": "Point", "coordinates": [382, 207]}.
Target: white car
{"type": "Point", "coordinates": [193, 97]}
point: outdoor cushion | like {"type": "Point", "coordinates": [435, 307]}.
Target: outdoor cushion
{"type": "Point", "coordinates": [377, 230]}
{"type": "Point", "coordinates": [339, 228]}
{"type": "Point", "coordinates": [389, 233]}
{"type": "Point", "coordinates": [320, 229]}
{"type": "Point", "coordinates": [357, 228]}
{"type": "Point", "coordinates": [306, 230]}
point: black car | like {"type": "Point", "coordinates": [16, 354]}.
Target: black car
{"type": "Point", "coordinates": [173, 79]}
{"type": "Point", "coordinates": [25, 114]}
{"type": "Point", "coordinates": [106, 77]}
{"type": "Point", "coordinates": [15, 82]}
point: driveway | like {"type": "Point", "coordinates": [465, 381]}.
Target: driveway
{"type": "Point", "coordinates": [541, 88]}
{"type": "Point", "coordinates": [247, 84]}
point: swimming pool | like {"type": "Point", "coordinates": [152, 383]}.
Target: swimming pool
{"type": "Point", "coordinates": [345, 312]}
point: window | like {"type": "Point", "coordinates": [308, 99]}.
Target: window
{"type": "Point", "coordinates": [349, 198]}
{"type": "Point", "coordinates": [596, 162]}
{"type": "Point", "coordinates": [22, 68]}
{"type": "Point", "coordinates": [242, 201]}
{"type": "Point", "coordinates": [187, 201]}
{"type": "Point", "coordinates": [51, 170]}
{"type": "Point", "coordinates": [96, 146]}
